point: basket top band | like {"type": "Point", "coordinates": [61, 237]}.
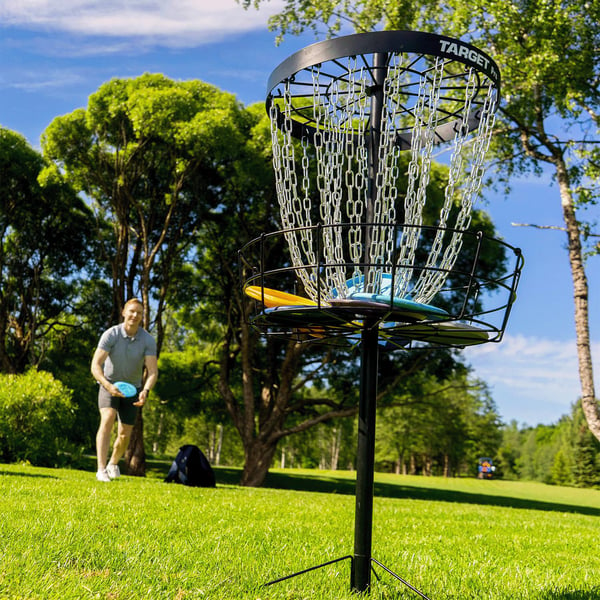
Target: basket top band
{"type": "Point", "coordinates": [385, 42]}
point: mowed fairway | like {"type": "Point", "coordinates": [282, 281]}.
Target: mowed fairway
{"type": "Point", "coordinates": [64, 535]}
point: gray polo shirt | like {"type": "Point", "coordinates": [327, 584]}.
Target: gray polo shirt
{"type": "Point", "coordinates": [125, 361]}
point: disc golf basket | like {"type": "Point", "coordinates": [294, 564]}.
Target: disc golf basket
{"type": "Point", "coordinates": [357, 122]}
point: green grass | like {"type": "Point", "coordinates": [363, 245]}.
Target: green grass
{"type": "Point", "coordinates": [65, 536]}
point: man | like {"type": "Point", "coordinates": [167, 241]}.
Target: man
{"type": "Point", "coordinates": [123, 352]}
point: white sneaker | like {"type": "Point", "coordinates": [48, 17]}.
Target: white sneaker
{"type": "Point", "coordinates": [113, 471]}
{"type": "Point", "coordinates": [102, 476]}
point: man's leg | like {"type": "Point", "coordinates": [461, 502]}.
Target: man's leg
{"type": "Point", "coordinates": [121, 443]}
{"type": "Point", "coordinates": [107, 420]}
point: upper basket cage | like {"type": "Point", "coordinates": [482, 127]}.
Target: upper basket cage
{"type": "Point", "coordinates": [358, 125]}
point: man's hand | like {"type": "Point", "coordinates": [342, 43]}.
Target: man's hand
{"type": "Point", "coordinates": [142, 397]}
{"type": "Point", "coordinates": [114, 390]}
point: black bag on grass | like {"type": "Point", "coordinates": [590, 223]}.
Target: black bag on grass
{"type": "Point", "coordinates": [191, 467]}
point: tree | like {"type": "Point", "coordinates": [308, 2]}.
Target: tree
{"type": "Point", "coordinates": [586, 454]}
{"type": "Point", "coordinates": [152, 155]}
{"type": "Point", "coordinates": [45, 245]}
{"type": "Point", "coordinates": [538, 453]}
{"type": "Point", "coordinates": [185, 390]}
{"type": "Point", "coordinates": [561, 469]}
{"type": "Point", "coordinates": [563, 445]}
{"type": "Point", "coordinates": [36, 415]}
{"type": "Point", "coordinates": [441, 430]}
{"type": "Point", "coordinates": [548, 55]}
{"type": "Point", "coordinates": [68, 355]}
{"type": "Point", "coordinates": [509, 451]}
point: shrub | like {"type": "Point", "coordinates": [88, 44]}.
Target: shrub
{"type": "Point", "coordinates": [36, 414]}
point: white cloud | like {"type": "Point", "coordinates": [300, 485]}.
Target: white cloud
{"type": "Point", "coordinates": [173, 22]}
{"type": "Point", "coordinates": [530, 375]}
{"type": "Point", "coordinates": [34, 81]}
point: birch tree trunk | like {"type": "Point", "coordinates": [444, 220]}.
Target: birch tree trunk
{"type": "Point", "coordinates": [581, 304]}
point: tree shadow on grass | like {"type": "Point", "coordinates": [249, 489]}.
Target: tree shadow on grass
{"type": "Point", "coordinates": [571, 594]}
{"type": "Point", "coordinates": [21, 474]}
{"type": "Point", "coordinates": [335, 485]}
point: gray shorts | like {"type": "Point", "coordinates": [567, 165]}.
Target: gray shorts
{"type": "Point", "coordinates": [124, 406]}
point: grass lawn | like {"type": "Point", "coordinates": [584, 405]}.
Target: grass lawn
{"type": "Point", "coordinates": [65, 536]}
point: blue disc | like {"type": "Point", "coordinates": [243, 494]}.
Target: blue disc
{"type": "Point", "coordinates": [126, 389]}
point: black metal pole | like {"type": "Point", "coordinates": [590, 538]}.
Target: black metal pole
{"type": "Point", "coordinates": [363, 520]}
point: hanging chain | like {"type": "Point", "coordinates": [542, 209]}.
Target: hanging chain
{"type": "Point", "coordinates": [423, 134]}
{"type": "Point", "coordinates": [420, 94]}
{"type": "Point", "coordinates": [384, 209]}
{"type": "Point", "coordinates": [434, 275]}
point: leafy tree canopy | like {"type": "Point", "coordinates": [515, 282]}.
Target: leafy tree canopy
{"type": "Point", "coordinates": [45, 245]}
{"type": "Point", "coordinates": [152, 154]}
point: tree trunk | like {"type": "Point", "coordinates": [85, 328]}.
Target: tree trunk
{"type": "Point", "coordinates": [446, 465]}
{"type": "Point", "coordinates": [427, 462]}
{"type": "Point", "coordinates": [219, 444]}
{"type": "Point", "coordinates": [257, 460]}
{"type": "Point", "coordinates": [580, 298]}
{"type": "Point", "coordinates": [159, 432]}
{"type": "Point", "coordinates": [335, 450]}
{"type": "Point", "coordinates": [135, 457]}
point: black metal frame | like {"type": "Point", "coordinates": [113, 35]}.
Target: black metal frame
{"type": "Point", "coordinates": [350, 320]}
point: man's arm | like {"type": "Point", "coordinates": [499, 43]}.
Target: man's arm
{"type": "Point", "coordinates": [151, 364]}
{"type": "Point", "coordinates": [98, 360]}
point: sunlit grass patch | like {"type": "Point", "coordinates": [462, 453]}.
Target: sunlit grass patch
{"type": "Point", "coordinates": [64, 535]}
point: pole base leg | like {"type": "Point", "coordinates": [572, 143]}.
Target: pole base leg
{"type": "Point", "coordinates": [351, 559]}
{"type": "Point", "coordinates": [322, 565]}
{"type": "Point", "coordinates": [396, 576]}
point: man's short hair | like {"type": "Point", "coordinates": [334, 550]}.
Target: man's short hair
{"type": "Point", "coordinates": [133, 301]}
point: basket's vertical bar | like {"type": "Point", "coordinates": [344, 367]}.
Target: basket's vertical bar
{"type": "Point", "coordinates": [262, 270]}
{"type": "Point", "coordinates": [473, 284]}
{"type": "Point", "coordinates": [515, 276]}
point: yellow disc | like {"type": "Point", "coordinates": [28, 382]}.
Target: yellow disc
{"type": "Point", "coordinates": [271, 298]}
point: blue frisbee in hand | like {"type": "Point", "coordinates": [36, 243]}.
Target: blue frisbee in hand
{"type": "Point", "coordinates": [126, 389]}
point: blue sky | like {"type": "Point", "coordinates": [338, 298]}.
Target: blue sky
{"type": "Point", "coordinates": [55, 53]}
